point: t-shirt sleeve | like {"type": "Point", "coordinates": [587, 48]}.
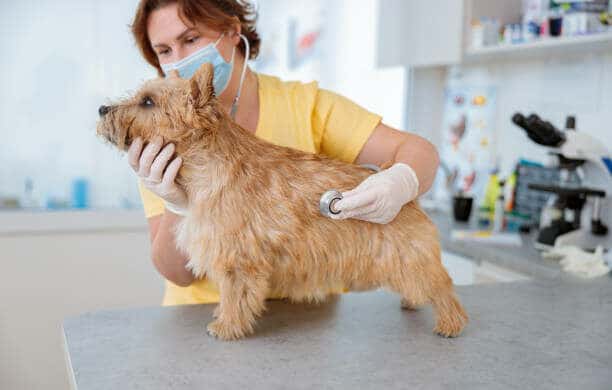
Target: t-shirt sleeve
{"type": "Point", "coordinates": [153, 205]}
{"type": "Point", "coordinates": [341, 126]}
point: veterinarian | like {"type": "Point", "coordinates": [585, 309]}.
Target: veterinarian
{"type": "Point", "coordinates": [178, 36]}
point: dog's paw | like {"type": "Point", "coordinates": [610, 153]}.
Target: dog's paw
{"type": "Point", "coordinates": [447, 333]}
{"type": "Point", "coordinates": [223, 331]}
{"type": "Point", "coordinates": [451, 327]}
{"type": "Point", "coordinates": [215, 313]}
{"type": "Point", "coordinates": [406, 305]}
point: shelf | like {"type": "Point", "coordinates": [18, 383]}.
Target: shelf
{"type": "Point", "coordinates": [539, 49]}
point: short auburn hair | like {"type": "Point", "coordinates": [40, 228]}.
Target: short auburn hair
{"type": "Point", "coordinates": [219, 15]}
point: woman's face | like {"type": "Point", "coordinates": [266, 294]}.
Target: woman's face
{"type": "Point", "coordinates": [172, 40]}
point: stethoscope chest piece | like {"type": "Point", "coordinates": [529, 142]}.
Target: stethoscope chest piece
{"type": "Point", "coordinates": [327, 201]}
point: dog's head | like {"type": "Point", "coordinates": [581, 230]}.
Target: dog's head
{"type": "Point", "coordinates": [180, 111]}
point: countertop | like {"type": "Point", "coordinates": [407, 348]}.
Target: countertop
{"type": "Point", "coordinates": [527, 335]}
{"type": "Point", "coordinates": [28, 222]}
{"type": "Point", "coordinates": [524, 259]}
{"type": "Point", "coordinates": [552, 332]}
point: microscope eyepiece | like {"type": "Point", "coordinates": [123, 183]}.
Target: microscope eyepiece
{"type": "Point", "coordinates": [538, 130]}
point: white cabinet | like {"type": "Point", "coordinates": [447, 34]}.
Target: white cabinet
{"type": "Point", "coordinates": [428, 33]}
{"type": "Point", "coordinates": [420, 32]}
{"type": "Point", "coordinates": [58, 265]}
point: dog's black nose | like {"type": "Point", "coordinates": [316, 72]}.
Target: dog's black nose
{"type": "Point", "coordinates": [103, 110]}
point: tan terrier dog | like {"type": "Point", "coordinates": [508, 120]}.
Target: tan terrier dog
{"type": "Point", "coordinates": [254, 226]}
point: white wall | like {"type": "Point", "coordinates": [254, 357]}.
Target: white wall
{"type": "Point", "coordinates": [64, 58]}
{"type": "Point", "coordinates": [352, 68]}
{"type": "Point", "coordinates": [551, 87]}
{"type": "Point", "coordinates": [348, 52]}
{"type": "Point", "coordinates": [60, 61]}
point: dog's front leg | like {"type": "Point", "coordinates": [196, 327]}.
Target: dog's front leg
{"type": "Point", "coordinates": [242, 300]}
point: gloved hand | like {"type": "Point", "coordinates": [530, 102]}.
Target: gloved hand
{"type": "Point", "coordinates": [380, 197]}
{"type": "Point", "coordinates": [149, 165]}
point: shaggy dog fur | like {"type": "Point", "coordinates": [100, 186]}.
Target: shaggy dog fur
{"type": "Point", "coordinates": [254, 226]}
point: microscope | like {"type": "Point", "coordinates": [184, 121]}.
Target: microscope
{"type": "Point", "coordinates": [585, 166]}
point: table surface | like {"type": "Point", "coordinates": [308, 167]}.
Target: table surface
{"type": "Point", "coordinates": [536, 334]}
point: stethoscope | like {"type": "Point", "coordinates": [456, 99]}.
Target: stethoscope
{"type": "Point", "coordinates": [330, 197]}
{"type": "Point", "coordinates": [247, 52]}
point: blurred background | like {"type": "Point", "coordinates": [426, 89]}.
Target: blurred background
{"type": "Point", "coordinates": [73, 237]}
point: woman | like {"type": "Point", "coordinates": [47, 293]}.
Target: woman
{"type": "Point", "coordinates": [179, 35]}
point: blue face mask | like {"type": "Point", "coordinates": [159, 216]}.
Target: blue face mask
{"type": "Point", "coordinates": [222, 69]}
{"type": "Point", "coordinates": [209, 53]}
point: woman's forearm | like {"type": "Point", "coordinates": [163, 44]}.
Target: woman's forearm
{"type": "Point", "coordinates": [167, 258]}
{"type": "Point", "coordinates": [423, 158]}
{"type": "Point", "coordinates": [387, 145]}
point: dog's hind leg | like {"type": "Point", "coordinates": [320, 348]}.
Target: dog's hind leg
{"type": "Point", "coordinates": [451, 317]}
{"type": "Point", "coordinates": [425, 280]}
{"type": "Point", "coordinates": [242, 300]}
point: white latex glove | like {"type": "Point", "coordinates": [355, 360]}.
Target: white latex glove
{"type": "Point", "coordinates": [157, 175]}
{"type": "Point", "coordinates": [579, 262]}
{"type": "Point", "coordinates": [380, 197]}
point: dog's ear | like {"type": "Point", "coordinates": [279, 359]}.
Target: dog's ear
{"type": "Point", "coordinates": [201, 85]}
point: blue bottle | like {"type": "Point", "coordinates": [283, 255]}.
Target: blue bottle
{"type": "Point", "coordinates": [80, 193]}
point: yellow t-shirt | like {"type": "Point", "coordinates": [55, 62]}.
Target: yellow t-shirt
{"type": "Point", "coordinates": [296, 115]}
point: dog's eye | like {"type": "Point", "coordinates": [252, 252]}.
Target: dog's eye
{"type": "Point", "coordinates": [147, 102]}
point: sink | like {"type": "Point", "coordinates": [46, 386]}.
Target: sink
{"type": "Point", "coordinates": [465, 271]}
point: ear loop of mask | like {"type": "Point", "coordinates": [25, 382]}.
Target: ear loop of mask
{"type": "Point", "coordinates": [219, 39]}
{"type": "Point", "coordinates": [247, 50]}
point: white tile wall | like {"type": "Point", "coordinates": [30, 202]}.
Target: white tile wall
{"type": "Point", "coordinates": [64, 58]}
{"type": "Point", "coordinates": [60, 61]}
{"type": "Point", "coordinates": [552, 87]}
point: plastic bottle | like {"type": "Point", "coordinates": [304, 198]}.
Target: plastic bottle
{"type": "Point", "coordinates": [498, 220]}
{"type": "Point", "coordinates": [28, 201]}
{"type": "Point", "coordinates": [477, 35]}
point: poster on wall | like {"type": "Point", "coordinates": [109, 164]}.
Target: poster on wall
{"type": "Point", "coordinates": [293, 39]}
{"type": "Point", "coordinates": [469, 114]}
{"type": "Point", "coordinates": [304, 42]}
